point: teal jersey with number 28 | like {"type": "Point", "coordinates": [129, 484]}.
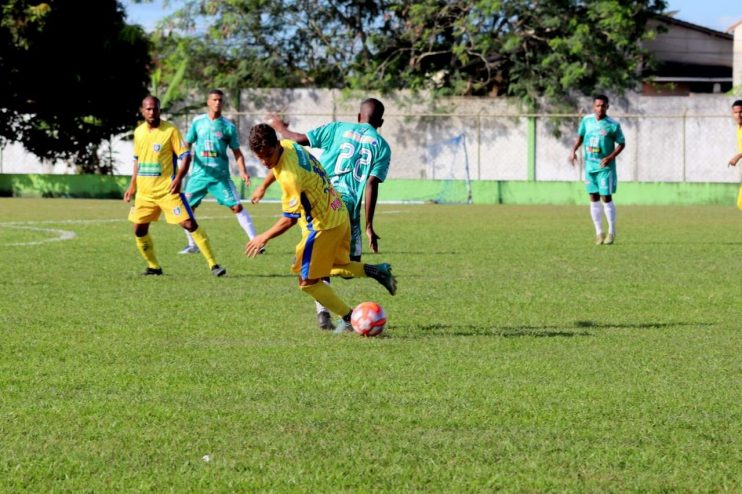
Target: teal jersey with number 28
{"type": "Point", "coordinates": [350, 154]}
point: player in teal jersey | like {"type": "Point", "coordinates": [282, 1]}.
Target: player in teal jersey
{"type": "Point", "coordinates": [604, 141]}
{"type": "Point", "coordinates": [209, 137]}
{"type": "Point", "coordinates": [356, 159]}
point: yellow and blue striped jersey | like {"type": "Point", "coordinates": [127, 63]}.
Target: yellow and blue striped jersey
{"type": "Point", "coordinates": [307, 193]}
{"type": "Point", "coordinates": [157, 151]}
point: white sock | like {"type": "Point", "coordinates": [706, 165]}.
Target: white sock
{"type": "Point", "coordinates": [610, 213]}
{"type": "Point", "coordinates": [191, 242]}
{"type": "Point", "coordinates": [245, 220]}
{"type": "Point", "coordinates": [596, 212]}
{"type": "Point", "coordinates": [320, 307]}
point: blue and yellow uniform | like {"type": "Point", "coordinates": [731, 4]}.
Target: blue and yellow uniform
{"type": "Point", "coordinates": [210, 172]}
{"type": "Point", "coordinates": [308, 197]}
{"type": "Point", "coordinates": [156, 152]}
{"type": "Point", "coordinates": [599, 140]}
{"type": "Point", "coordinates": [351, 154]}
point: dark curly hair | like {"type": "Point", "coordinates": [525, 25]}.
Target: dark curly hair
{"type": "Point", "coordinates": [262, 136]}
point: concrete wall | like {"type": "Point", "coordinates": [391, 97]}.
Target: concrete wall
{"type": "Point", "coordinates": [673, 139]}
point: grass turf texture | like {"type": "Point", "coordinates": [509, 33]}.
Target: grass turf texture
{"type": "Point", "coordinates": [518, 356]}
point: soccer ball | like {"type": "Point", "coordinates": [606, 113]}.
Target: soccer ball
{"type": "Point", "coordinates": [368, 319]}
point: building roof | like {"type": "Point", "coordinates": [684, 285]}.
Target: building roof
{"type": "Point", "coordinates": [666, 19]}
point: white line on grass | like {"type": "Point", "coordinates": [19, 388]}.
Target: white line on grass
{"type": "Point", "coordinates": [69, 235]}
{"type": "Point", "coordinates": [61, 234]}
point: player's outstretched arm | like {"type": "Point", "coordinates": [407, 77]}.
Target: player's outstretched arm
{"type": "Point", "coordinates": [735, 160]}
{"type": "Point", "coordinates": [282, 127]}
{"type": "Point", "coordinates": [253, 247]}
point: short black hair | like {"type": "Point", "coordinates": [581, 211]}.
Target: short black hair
{"type": "Point", "coordinates": [602, 97]}
{"type": "Point", "coordinates": [262, 136]}
{"type": "Point", "coordinates": [153, 98]}
{"type": "Point", "coordinates": [737, 103]}
{"type": "Point", "coordinates": [216, 91]}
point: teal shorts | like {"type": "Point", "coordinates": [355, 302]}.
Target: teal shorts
{"type": "Point", "coordinates": [223, 191]}
{"type": "Point", "coordinates": [603, 181]}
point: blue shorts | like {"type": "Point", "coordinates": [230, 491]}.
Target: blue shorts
{"type": "Point", "coordinates": [603, 181]}
{"type": "Point", "coordinates": [223, 191]}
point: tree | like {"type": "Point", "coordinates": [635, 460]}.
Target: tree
{"type": "Point", "coordinates": [74, 74]}
{"type": "Point", "coordinates": [539, 51]}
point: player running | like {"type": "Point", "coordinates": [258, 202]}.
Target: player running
{"type": "Point", "coordinates": [208, 137]}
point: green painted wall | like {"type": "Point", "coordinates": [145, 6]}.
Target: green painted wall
{"type": "Point", "coordinates": [408, 190]}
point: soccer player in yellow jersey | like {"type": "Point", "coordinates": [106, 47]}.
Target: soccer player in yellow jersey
{"type": "Point", "coordinates": [156, 181]}
{"type": "Point", "coordinates": [309, 199]}
{"type": "Point", "coordinates": [737, 114]}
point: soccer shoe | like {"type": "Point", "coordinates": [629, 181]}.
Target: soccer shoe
{"type": "Point", "coordinates": [152, 272]}
{"type": "Point", "coordinates": [610, 239]}
{"type": "Point", "coordinates": [190, 249]}
{"type": "Point", "coordinates": [342, 326]}
{"type": "Point", "coordinates": [218, 271]}
{"type": "Point", "coordinates": [600, 239]}
{"type": "Point", "coordinates": [324, 321]}
{"type": "Point", "coordinates": [384, 276]}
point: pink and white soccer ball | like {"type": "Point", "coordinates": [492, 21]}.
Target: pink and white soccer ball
{"type": "Point", "coordinates": [368, 319]}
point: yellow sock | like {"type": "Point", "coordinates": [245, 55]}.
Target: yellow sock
{"type": "Point", "coordinates": [202, 240]}
{"type": "Point", "coordinates": [147, 249]}
{"type": "Point", "coordinates": [353, 269]}
{"type": "Point", "coordinates": [324, 294]}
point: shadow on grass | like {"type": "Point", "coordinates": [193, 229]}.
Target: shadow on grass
{"type": "Point", "coordinates": [564, 331]}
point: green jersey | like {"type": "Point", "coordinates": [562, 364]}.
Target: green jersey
{"type": "Point", "coordinates": [210, 139]}
{"type": "Point", "coordinates": [350, 154]}
{"type": "Point", "coordinates": [599, 138]}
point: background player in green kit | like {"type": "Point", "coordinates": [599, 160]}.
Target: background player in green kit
{"type": "Point", "coordinates": [604, 141]}
{"type": "Point", "coordinates": [356, 159]}
{"type": "Point", "coordinates": [209, 137]}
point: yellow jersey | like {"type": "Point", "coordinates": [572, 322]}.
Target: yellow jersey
{"type": "Point", "coordinates": [739, 138]}
{"type": "Point", "coordinates": [307, 193]}
{"type": "Point", "coordinates": [157, 151]}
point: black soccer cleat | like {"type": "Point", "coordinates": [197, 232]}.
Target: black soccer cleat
{"type": "Point", "coordinates": [324, 321]}
{"type": "Point", "coordinates": [218, 271]}
{"type": "Point", "coordinates": [153, 272]}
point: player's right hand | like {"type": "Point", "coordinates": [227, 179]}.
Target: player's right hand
{"type": "Point", "coordinates": [373, 240]}
{"type": "Point", "coordinates": [257, 195]}
{"type": "Point", "coordinates": [128, 195]}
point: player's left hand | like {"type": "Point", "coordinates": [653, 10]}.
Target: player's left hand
{"type": "Point", "coordinates": [246, 178]}
{"type": "Point", "coordinates": [373, 240]}
{"type": "Point", "coordinates": [604, 162]}
{"type": "Point", "coordinates": [252, 248]}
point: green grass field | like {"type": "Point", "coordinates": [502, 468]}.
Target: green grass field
{"type": "Point", "coordinates": [518, 356]}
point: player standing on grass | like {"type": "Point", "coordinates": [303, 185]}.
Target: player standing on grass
{"type": "Point", "coordinates": [208, 137]}
{"type": "Point", "coordinates": [600, 134]}
{"type": "Point", "coordinates": [737, 114]}
{"type": "Point", "coordinates": [356, 159]}
{"type": "Point", "coordinates": [156, 180]}
{"type": "Point", "coordinates": [309, 198]}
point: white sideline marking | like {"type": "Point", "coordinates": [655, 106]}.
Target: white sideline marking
{"type": "Point", "coordinates": [61, 234]}
{"type": "Point", "coordinates": [69, 235]}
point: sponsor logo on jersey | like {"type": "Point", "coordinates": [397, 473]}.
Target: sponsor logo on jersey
{"type": "Point", "coordinates": [177, 211]}
{"type": "Point", "coordinates": [157, 148]}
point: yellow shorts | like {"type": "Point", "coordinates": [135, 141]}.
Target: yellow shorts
{"type": "Point", "coordinates": [319, 251]}
{"type": "Point", "coordinates": [147, 209]}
